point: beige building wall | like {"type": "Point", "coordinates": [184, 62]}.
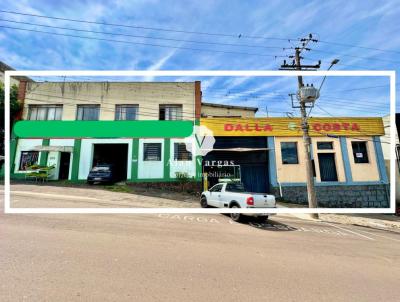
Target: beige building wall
{"type": "Point", "coordinates": [290, 173]}
{"type": "Point", "coordinates": [365, 171]}
{"type": "Point", "coordinates": [148, 95]}
{"type": "Point", "coordinates": [213, 111]}
{"type": "Point", "coordinates": [13, 81]}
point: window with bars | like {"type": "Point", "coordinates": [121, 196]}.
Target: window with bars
{"type": "Point", "coordinates": [126, 112]}
{"type": "Point", "coordinates": [170, 112]}
{"type": "Point", "coordinates": [360, 153]}
{"type": "Point", "coordinates": [88, 112]}
{"type": "Point", "coordinates": [28, 158]}
{"type": "Point", "coordinates": [44, 112]}
{"type": "Point", "coordinates": [181, 153]}
{"type": "Point", "coordinates": [152, 151]}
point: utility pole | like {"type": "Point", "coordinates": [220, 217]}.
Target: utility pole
{"type": "Point", "coordinates": [296, 64]}
{"type": "Point", "coordinates": [312, 199]}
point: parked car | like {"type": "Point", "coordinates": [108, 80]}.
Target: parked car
{"type": "Point", "coordinates": [102, 173]}
{"type": "Point", "coordinates": [233, 195]}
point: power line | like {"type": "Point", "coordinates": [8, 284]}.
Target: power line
{"type": "Point", "coordinates": [146, 44]}
{"type": "Point", "coordinates": [143, 37]}
{"type": "Point", "coordinates": [358, 46]}
{"type": "Point", "coordinates": [355, 56]}
{"type": "Point", "coordinates": [151, 28]}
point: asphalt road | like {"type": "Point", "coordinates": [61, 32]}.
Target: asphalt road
{"type": "Point", "coordinates": [171, 257]}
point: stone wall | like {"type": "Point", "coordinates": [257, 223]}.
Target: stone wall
{"type": "Point", "coordinates": [350, 196]}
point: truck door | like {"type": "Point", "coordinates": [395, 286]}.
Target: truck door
{"type": "Point", "coordinates": [215, 193]}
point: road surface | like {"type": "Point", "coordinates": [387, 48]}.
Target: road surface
{"type": "Point", "coordinates": [170, 257]}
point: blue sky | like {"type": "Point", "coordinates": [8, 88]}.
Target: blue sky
{"type": "Point", "coordinates": [371, 24]}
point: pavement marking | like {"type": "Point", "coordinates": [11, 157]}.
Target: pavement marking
{"type": "Point", "coordinates": [373, 234]}
{"type": "Point", "coordinates": [347, 230]}
{"type": "Point", "coordinates": [54, 195]}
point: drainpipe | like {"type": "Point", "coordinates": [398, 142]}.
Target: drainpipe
{"type": "Point", "coordinates": [280, 190]}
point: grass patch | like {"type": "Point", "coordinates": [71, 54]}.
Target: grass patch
{"type": "Point", "coordinates": [119, 188]}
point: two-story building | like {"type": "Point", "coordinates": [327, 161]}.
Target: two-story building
{"type": "Point", "coordinates": [138, 127]}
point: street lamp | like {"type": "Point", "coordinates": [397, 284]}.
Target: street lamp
{"type": "Point", "coordinates": [335, 61]}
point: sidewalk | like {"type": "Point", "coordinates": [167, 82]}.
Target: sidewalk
{"type": "Point", "coordinates": [376, 221]}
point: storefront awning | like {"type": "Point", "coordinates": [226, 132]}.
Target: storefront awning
{"type": "Point", "coordinates": [54, 148]}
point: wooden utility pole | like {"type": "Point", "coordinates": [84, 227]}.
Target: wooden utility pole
{"type": "Point", "coordinates": [296, 65]}
{"type": "Point", "coordinates": [312, 200]}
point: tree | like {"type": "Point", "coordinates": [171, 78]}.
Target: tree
{"type": "Point", "coordinates": [15, 108]}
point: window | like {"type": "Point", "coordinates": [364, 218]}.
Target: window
{"type": "Point", "coordinates": [170, 112]}
{"type": "Point", "coordinates": [235, 187]}
{"type": "Point", "coordinates": [88, 112]}
{"type": "Point", "coordinates": [44, 112]}
{"type": "Point", "coordinates": [126, 112]}
{"type": "Point", "coordinates": [324, 145]}
{"type": "Point", "coordinates": [180, 152]}
{"type": "Point", "coordinates": [360, 152]}
{"type": "Point", "coordinates": [216, 188]}
{"type": "Point", "coordinates": [289, 153]}
{"type": "Point", "coordinates": [28, 158]}
{"type": "Point", "coordinates": [152, 151]}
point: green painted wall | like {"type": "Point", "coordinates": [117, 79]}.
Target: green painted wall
{"type": "Point", "coordinates": [75, 160]}
{"type": "Point", "coordinates": [44, 154]}
{"type": "Point", "coordinates": [167, 154]}
{"type": "Point", "coordinates": [103, 129]}
{"type": "Point", "coordinates": [135, 159]}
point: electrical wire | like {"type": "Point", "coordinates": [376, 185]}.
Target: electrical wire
{"type": "Point", "coordinates": [143, 37]}
{"type": "Point", "coordinates": [145, 44]}
{"type": "Point", "coordinates": [238, 36]}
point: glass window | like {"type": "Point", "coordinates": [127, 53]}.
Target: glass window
{"type": "Point", "coordinates": [170, 112]}
{"type": "Point", "coordinates": [44, 112]}
{"type": "Point", "coordinates": [152, 151]}
{"type": "Point", "coordinates": [181, 153]}
{"type": "Point", "coordinates": [325, 145]}
{"type": "Point", "coordinates": [216, 188]}
{"type": "Point", "coordinates": [28, 158]}
{"type": "Point", "coordinates": [289, 153]}
{"type": "Point", "coordinates": [360, 153]}
{"type": "Point", "coordinates": [235, 187]}
{"type": "Point", "coordinates": [126, 112]}
{"type": "Point", "coordinates": [88, 112]}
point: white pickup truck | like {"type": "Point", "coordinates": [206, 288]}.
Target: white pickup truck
{"type": "Point", "coordinates": [233, 195]}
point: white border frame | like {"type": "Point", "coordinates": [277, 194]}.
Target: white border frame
{"type": "Point", "coordinates": [198, 73]}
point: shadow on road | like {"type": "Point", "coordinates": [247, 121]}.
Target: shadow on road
{"type": "Point", "coordinates": [271, 225]}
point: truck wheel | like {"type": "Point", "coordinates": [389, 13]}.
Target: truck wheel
{"type": "Point", "coordinates": [237, 217]}
{"type": "Point", "coordinates": [203, 202]}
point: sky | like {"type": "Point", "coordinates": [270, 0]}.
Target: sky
{"type": "Point", "coordinates": [215, 35]}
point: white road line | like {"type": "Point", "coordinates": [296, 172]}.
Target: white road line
{"type": "Point", "coordinates": [373, 234]}
{"type": "Point", "coordinates": [54, 195]}
{"type": "Point", "coordinates": [347, 230]}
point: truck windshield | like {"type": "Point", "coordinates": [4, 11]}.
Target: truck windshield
{"type": "Point", "coordinates": [101, 169]}
{"type": "Point", "coordinates": [235, 187]}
